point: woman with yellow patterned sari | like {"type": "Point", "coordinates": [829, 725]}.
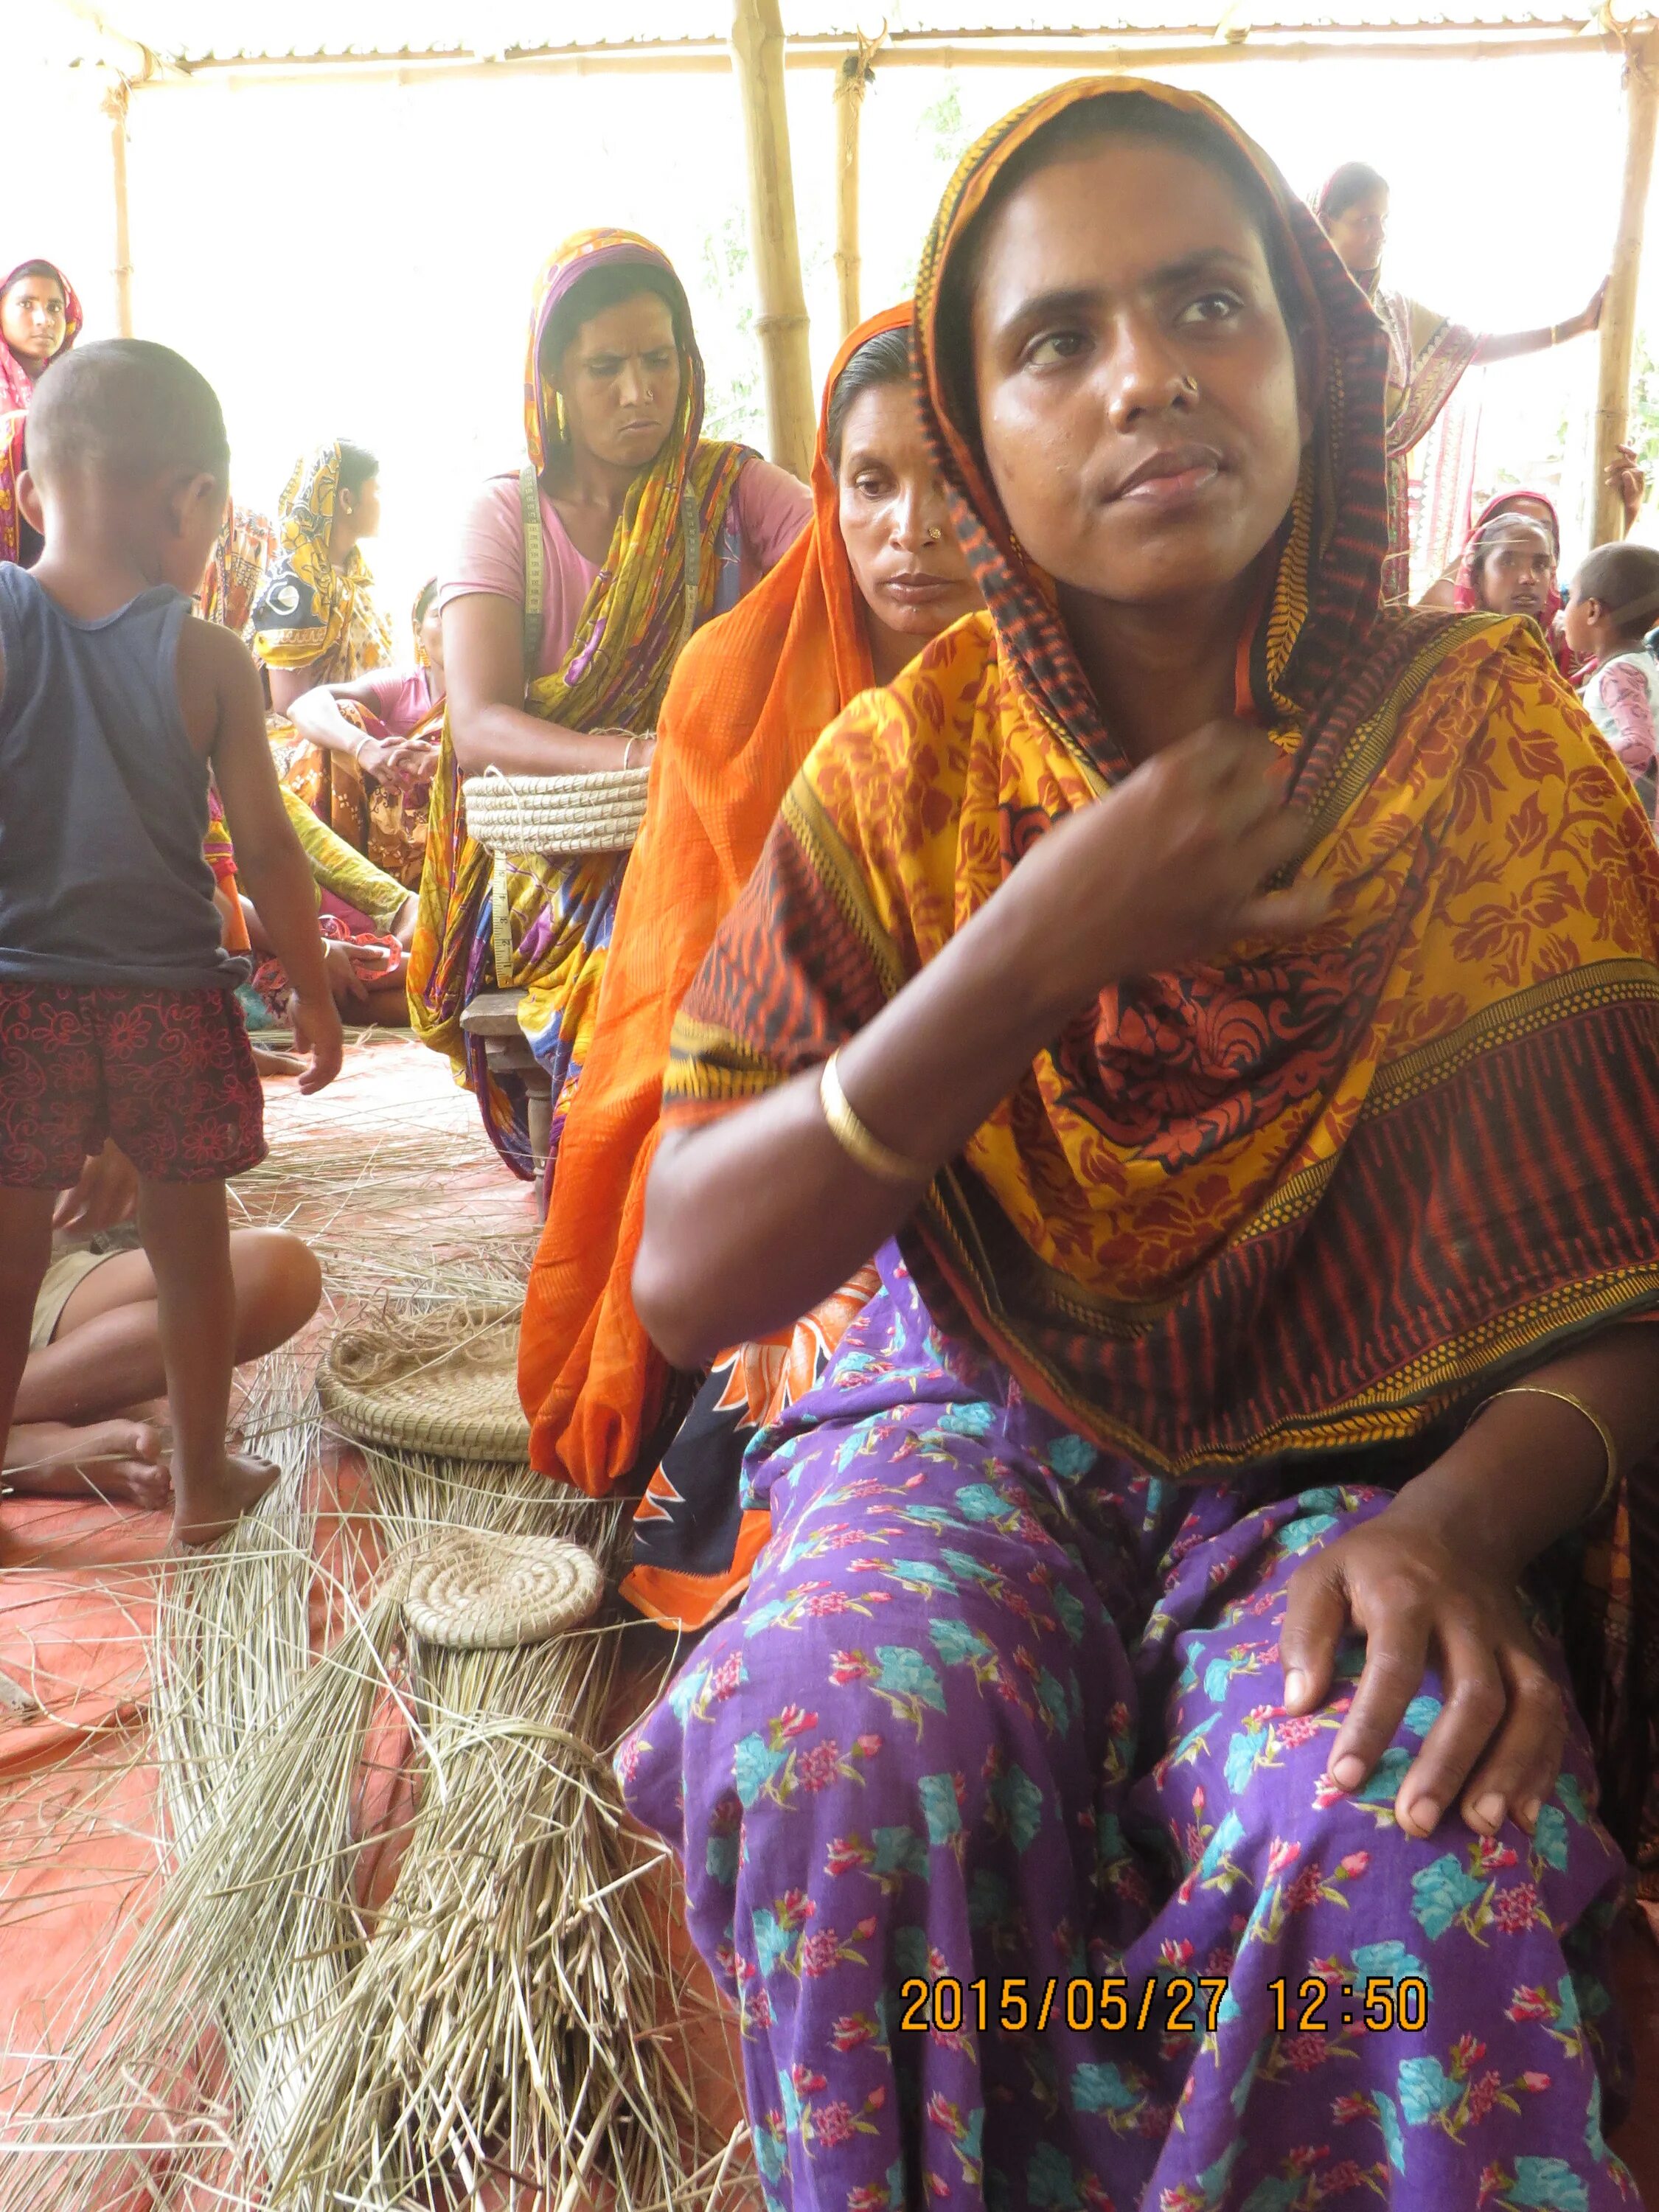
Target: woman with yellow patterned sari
{"type": "Point", "coordinates": [575, 587]}
{"type": "Point", "coordinates": [1139, 1773]}
{"type": "Point", "coordinates": [315, 622]}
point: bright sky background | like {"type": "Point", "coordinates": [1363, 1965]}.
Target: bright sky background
{"type": "Point", "coordinates": [357, 260]}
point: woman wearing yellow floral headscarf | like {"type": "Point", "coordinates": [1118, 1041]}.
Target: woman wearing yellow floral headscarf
{"type": "Point", "coordinates": [1139, 1773]}
{"type": "Point", "coordinates": [575, 584]}
{"type": "Point", "coordinates": [315, 622]}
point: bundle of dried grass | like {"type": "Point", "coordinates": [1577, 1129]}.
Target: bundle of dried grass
{"type": "Point", "coordinates": [510, 2019]}
{"type": "Point", "coordinates": [185, 2070]}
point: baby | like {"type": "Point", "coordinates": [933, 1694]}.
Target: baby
{"type": "Point", "coordinates": [118, 1008]}
{"type": "Point", "coordinates": [1612, 604]}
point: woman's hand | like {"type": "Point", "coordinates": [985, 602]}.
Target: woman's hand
{"type": "Point", "coordinates": [1591, 318]}
{"type": "Point", "coordinates": [1626, 476]}
{"type": "Point", "coordinates": [108, 1192]}
{"type": "Point", "coordinates": [404, 763]}
{"type": "Point", "coordinates": [1166, 869]}
{"type": "Point", "coordinates": [1419, 1590]}
{"type": "Point", "coordinates": [352, 967]}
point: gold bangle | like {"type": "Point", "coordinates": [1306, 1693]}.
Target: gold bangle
{"type": "Point", "coordinates": [1555, 340]}
{"type": "Point", "coordinates": [1566, 1398]}
{"type": "Point", "coordinates": [856, 1141]}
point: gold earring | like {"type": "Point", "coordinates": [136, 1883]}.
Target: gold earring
{"type": "Point", "coordinates": [558, 416]}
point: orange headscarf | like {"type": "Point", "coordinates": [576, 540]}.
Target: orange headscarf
{"type": "Point", "coordinates": [748, 698]}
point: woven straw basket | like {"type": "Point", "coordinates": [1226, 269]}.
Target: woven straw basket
{"type": "Point", "coordinates": [554, 815]}
{"type": "Point", "coordinates": [446, 1383]}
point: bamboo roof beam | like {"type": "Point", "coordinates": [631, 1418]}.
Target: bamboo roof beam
{"type": "Point", "coordinates": [781, 325]}
{"type": "Point", "coordinates": [111, 47]}
{"type": "Point", "coordinates": [1085, 53]}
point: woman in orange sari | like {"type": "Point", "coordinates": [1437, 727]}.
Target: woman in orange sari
{"type": "Point", "coordinates": [876, 575]}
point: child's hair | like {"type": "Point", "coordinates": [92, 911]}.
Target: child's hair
{"type": "Point", "coordinates": [884, 359]}
{"type": "Point", "coordinates": [429, 592]}
{"type": "Point", "coordinates": [357, 465]}
{"type": "Point", "coordinates": [1623, 578]}
{"type": "Point", "coordinates": [128, 408]}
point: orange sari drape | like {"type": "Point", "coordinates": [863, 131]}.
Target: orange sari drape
{"type": "Point", "coordinates": [748, 698]}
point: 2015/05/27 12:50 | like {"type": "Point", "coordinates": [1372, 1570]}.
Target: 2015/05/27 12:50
{"type": "Point", "coordinates": [1173, 2004]}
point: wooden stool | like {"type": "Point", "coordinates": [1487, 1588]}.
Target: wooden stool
{"type": "Point", "coordinates": [494, 1016]}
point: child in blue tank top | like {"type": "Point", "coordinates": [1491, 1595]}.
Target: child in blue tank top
{"type": "Point", "coordinates": [117, 1009]}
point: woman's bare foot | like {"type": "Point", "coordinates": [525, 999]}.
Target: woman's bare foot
{"type": "Point", "coordinates": [207, 1509]}
{"type": "Point", "coordinates": [104, 1459]}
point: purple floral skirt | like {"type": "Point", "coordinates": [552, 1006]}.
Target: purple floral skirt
{"type": "Point", "coordinates": [1030, 1895]}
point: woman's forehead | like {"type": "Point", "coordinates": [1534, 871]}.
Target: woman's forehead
{"type": "Point", "coordinates": [643, 321]}
{"type": "Point", "coordinates": [1522, 533]}
{"type": "Point", "coordinates": [1109, 216]}
{"type": "Point", "coordinates": [883, 416]}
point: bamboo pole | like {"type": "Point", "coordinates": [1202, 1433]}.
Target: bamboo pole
{"type": "Point", "coordinates": [780, 327]}
{"type": "Point", "coordinates": [852, 83]}
{"type": "Point", "coordinates": [1618, 332]}
{"type": "Point", "coordinates": [114, 106]}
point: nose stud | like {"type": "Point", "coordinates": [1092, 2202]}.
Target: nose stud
{"type": "Point", "coordinates": [931, 536]}
{"type": "Point", "coordinates": [1189, 384]}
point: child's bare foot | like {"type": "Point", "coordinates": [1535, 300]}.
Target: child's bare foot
{"type": "Point", "coordinates": [104, 1459]}
{"type": "Point", "coordinates": [207, 1509]}
{"type": "Point", "coordinates": [267, 1061]}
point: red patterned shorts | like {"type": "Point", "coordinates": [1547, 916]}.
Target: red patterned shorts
{"type": "Point", "coordinates": [168, 1074]}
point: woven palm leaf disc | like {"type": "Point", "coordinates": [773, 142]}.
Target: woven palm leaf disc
{"type": "Point", "coordinates": [446, 1383]}
{"type": "Point", "coordinates": [480, 1590]}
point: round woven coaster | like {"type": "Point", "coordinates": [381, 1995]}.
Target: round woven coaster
{"type": "Point", "coordinates": [473, 1591]}
{"type": "Point", "coordinates": [445, 1383]}
{"type": "Point", "coordinates": [556, 815]}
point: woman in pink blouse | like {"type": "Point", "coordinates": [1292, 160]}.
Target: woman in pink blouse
{"type": "Point", "coordinates": [575, 587]}
{"type": "Point", "coordinates": [609, 356]}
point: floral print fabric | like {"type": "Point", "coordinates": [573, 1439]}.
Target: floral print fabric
{"type": "Point", "coordinates": [1000, 1709]}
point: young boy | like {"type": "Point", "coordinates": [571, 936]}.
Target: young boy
{"type": "Point", "coordinates": [118, 1014]}
{"type": "Point", "coordinates": [1611, 605]}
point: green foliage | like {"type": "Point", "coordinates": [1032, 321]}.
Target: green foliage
{"type": "Point", "coordinates": [1643, 432]}
{"type": "Point", "coordinates": [944, 137]}
{"type": "Point", "coordinates": [732, 408]}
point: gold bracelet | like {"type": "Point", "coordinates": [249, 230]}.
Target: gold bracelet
{"type": "Point", "coordinates": [1555, 340]}
{"type": "Point", "coordinates": [856, 1141]}
{"type": "Point", "coordinates": [1566, 1398]}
